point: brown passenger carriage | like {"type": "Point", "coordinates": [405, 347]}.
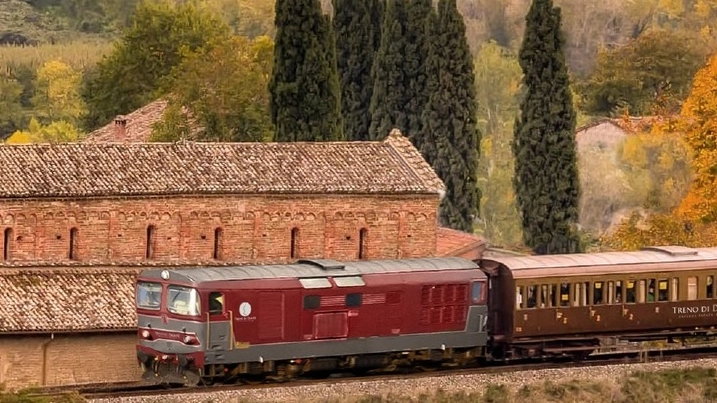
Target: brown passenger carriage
{"type": "Point", "coordinates": [571, 304]}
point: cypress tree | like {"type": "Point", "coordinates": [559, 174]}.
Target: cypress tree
{"type": "Point", "coordinates": [451, 137]}
{"type": "Point", "coordinates": [304, 87]}
{"type": "Point", "coordinates": [546, 173]}
{"type": "Point", "coordinates": [388, 99]}
{"type": "Point", "coordinates": [419, 13]}
{"type": "Point", "coordinates": [356, 45]}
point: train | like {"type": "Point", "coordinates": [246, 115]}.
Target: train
{"type": "Point", "coordinates": [318, 316]}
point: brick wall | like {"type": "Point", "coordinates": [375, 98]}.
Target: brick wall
{"type": "Point", "coordinates": [67, 359]}
{"type": "Point", "coordinates": [252, 228]}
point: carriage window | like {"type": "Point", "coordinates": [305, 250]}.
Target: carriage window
{"type": "Point", "coordinates": [532, 296]}
{"type": "Point", "coordinates": [663, 293]}
{"type": "Point", "coordinates": [544, 299]}
{"type": "Point", "coordinates": [691, 288]}
{"type": "Point", "coordinates": [618, 292]}
{"type": "Point", "coordinates": [651, 290]}
{"type": "Point", "coordinates": [598, 292]}
{"type": "Point", "coordinates": [610, 292]}
{"type": "Point", "coordinates": [519, 292]}
{"type": "Point", "coordinates": [577, 294]}
{"type": "Point", "coordinates": [675, 295]}
{"type": "Point", "coordinates": [641, 291]}
{"type": "Point", "coordinates": [564, 294]}
{"type": "Point", "coordinates": [630, 292]}
{"type": "Point", "coordinates": [710, 286]}
{"type": "Point", "coordinates": [553, 295]}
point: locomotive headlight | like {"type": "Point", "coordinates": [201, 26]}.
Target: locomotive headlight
{"type": "Point", "coordinates": [145, 334]}
{"type": "Point", "coordinates": [187, 339]}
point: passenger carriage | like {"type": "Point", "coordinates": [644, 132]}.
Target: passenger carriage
{"type": "Point", "coordinates": [207, 324]}
{"type": "Point", "coordinates": [570, 304]}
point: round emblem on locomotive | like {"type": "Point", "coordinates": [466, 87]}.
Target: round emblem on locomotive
{"type": "Point", "coordinates": [245, 309]}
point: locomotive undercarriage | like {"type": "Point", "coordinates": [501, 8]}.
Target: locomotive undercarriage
{"type": "Point", "coordinates": [282, 371]}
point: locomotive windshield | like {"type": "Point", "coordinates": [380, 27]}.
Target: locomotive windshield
{"type": "Point", "coordinates": [182, 300]}
{"type": "Point", "coordinates": [149, 295]}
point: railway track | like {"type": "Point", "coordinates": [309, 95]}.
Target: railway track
{"type": "Point", "coordinates": [134, 389]}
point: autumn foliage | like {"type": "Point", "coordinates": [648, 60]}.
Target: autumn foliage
{"type": "Point", "coordinates": [694, 221]}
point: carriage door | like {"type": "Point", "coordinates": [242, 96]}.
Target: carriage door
{"type": "Point", "coordinates": [219, 325]}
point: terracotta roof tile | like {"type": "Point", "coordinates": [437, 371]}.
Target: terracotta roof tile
{"type": "Point", "coordinates": [450, 242]}
{"type": "Point", "coordinates": [138, 126]}
{"type": "Point", "coordinates": [69, 299]}
{"type": "Point", "coordinates": [124, 169]}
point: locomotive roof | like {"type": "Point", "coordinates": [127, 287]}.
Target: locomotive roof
{"type": "Point", "coordinates": [308, 268]}
{"type": "Point", "coordinates": [600, 263]}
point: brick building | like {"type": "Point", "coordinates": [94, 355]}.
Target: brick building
{"type": "Point", "coordinates": [79, 221]}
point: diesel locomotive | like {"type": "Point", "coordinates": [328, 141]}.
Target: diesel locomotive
{"type": "Point", "coordinates": [322, 316]}
{"type": "Point", "coordinates": [315, 316]}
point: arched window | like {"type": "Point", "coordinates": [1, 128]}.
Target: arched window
{"type": "Point", "coordinates": [73, 243]}
{"type": "Point", "coordinates": [217, 243]}
{"type": "Point", "coordinates": [294, 243]}
{"type": "Point", "coordinates": [363, 244]}
{"type": "Point", "coordinates": [151, 241]}
{"type": "Point", "coordinates": [7, 244]}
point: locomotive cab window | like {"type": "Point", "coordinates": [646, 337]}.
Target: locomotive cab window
{"type": "Point", "coordinates": [216, 303]}
{"type": "Point", "coordinates": [149, 295]}
{"type": "Point", "coordinates": [182, 300]}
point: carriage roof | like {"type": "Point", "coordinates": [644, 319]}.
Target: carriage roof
{"type": "Point", "coordinates": [583, 264]}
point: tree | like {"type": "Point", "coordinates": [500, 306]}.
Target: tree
{"type": "Point", "coordinates": [659, 64]}
{"type": "Point", "coordinates": [451, 139]}
{"type": "Point", "coordinates": [356, 37]}
{"type": "Point", "coordinates": [10, 92]}
{"type": "Point", "coordinates": [56, 132]}
{"type": "Point", "coordinates": [161, 35]}
{"type": "Point", "coordinates": [498, 78]}
{"type": "Point", "coordinates": [416, 78]}
{"type": "Point", "coordinates": [546, 173]}
{"type": "Point", "coordinates": [224, 90]}
{"type": "Point", "coordinates": [388, 98]}
{"type": "Point", "coordinates": [304, 86]}
{"type": "Point", "coordinates": [699, 114]}
{"type": "Point", "coordinates": [57, 92]}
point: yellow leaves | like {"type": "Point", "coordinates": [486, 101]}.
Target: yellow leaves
{"type": "Point", "coordinates": [672, 8]}
{"type": "Point", "coordinates": [55, 132]}
{"type": "Point", "coordinates": [58, 91]}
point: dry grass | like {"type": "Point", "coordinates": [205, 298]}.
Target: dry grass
{"type": "Point", "coordinates": [80, 54]}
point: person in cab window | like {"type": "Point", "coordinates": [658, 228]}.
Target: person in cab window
{"type": "Point", "coordinates": [651, 294]}
{"type": "Point", "coordinates": [216, 303]}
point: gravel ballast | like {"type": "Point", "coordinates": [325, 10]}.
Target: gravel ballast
{"type": "Point", "coordinates": [414, 386]}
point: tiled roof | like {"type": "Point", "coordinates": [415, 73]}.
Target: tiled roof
{"type": "Point", "coordinates": [138, 126]}
{"type": "Point", "coordinates": [450, 242]}
{"type": "Point", "coordinates": [88, 297]}
{"type": "Point", "coordinates": [68, 299]}
{"type": "Point", "coordinates": [123, 169]}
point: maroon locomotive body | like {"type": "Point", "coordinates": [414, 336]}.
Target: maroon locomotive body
{"type": "Point", "coordinates": [209, 324]}
{"type": "Point", "coordinates": [574, 304]}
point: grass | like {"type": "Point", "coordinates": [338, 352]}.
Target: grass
{"type": "Point", "coordinates": [78, 54]}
